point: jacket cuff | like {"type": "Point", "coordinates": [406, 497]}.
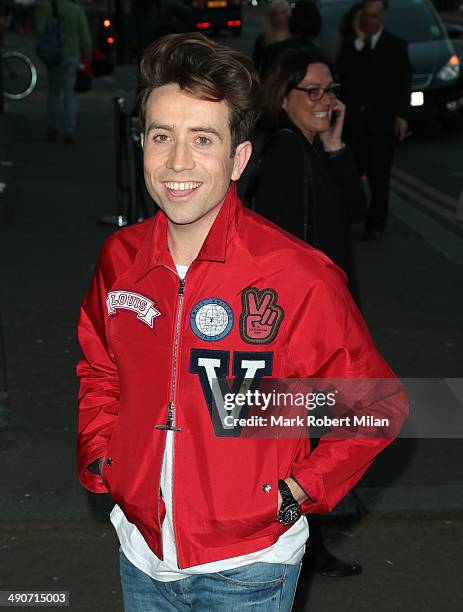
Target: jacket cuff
{"type": "Point", "coordinates": [88, 479]}
{"type": "Point", "coordinates": [312, 484]}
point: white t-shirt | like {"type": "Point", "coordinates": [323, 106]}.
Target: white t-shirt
{"type": "Point", "coordinates": [289, 548]}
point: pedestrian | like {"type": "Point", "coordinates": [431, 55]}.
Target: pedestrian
{"type": "Point", "coordinates": [204, 290]}
{"type": "Point", "coordinates": [276, 29]}
{"type": "Point", "coordinates": [375, 74]}
{"type": "Point", "coordinates": [62, 77]}
{"type": "Point", "coordinates": [305, 23]}
{"type": "Point", "coordinates": [305, 162]}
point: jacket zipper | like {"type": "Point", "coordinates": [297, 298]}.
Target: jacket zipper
{"type": "Point", "coordinates": [169, 426]}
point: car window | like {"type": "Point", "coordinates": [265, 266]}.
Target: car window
{"type": "Point", "coordinates": [411, 20]}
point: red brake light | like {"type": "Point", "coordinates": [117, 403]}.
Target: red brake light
{"type": "Point", "coordinates": [203, 25]}
{"type": "Point", "coordinates": [234, 23]}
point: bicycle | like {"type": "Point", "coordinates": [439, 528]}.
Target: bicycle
{"type": "Point", "coordinates": [19, 75]}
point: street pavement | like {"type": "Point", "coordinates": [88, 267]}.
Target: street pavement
{"type": "Point", "coordinates": [53, 535]}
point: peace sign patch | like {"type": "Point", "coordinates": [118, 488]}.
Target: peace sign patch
{"type": "Point", "coordinates": [261, 317]}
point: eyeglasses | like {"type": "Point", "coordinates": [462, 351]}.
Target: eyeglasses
{"type": "Point", "coordinates": [316, 93]}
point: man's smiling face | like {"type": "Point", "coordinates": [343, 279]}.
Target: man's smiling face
{"type": "Point", "coordinates": [187, 154]}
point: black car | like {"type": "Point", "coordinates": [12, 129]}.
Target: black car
{"type": "Point", "coordinates": [437, 84]}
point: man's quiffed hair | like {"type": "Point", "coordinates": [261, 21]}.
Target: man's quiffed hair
{"type": "Point", "coordinates": [208, 71]}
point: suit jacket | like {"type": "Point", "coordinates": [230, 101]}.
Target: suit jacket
{"type": "Point", "coordinates": [380, 85]}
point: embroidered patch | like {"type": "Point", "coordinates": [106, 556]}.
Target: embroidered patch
{"type": "Point", "coordinates": [146, 312]}
{"type": "Point", "coordinates": [261, 317]}
{"type": "Point", "coordinates": [211, 319]}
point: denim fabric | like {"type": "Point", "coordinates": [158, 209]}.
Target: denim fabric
{"type": "Point", "coordinates": [269, 587]}
{"type": "Point", "coordinates": [61, 81]}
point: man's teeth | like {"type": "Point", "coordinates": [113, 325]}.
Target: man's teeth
{"type": "Point", "coordinates": [320, 115]}
{"type": "Point", "coordinates": [182, 186]}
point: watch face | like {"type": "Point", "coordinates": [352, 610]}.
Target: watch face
{"type": "Point", "coordinates": [290, 514]}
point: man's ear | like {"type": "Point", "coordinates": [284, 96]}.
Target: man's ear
{"type": "Point", "coordinates": [242, 156]}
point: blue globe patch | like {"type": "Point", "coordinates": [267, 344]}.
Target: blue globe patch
{"type": "Point", "coordinates": [211, 319]}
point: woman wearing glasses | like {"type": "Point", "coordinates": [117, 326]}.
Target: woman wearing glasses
{"type": "Point", "coordinates": [308, 185]}
{"type": "Point", "coordinates": [307, 181]}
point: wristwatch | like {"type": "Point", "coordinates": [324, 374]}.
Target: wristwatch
{"type": "Point", "coordinates": [290, 510]}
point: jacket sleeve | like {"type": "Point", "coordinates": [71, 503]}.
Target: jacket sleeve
{"type": "Point", "coordinates": [341, 347]}
{"type": "Point", "coordinates": [99, 380]}
{"type": "Point", "coordinates": [347, 180]}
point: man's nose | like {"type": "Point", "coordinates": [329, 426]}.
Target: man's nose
{"type": "Point", "coordinates": [180, 157]}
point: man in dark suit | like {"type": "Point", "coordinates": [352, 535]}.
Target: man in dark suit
{"type": "Point", "coordinates": [375, 74]}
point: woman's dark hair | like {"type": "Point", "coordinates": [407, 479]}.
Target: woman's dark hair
{"type": "Point", "coordinates": [287, 73]}
{"type": "Point", "coordinates": [208, 71]}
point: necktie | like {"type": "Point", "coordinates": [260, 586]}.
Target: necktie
{"type": "Point", "coordinates": [367, 48]}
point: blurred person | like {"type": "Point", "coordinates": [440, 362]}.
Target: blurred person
{"type": "Point", "coordinates": [305, 23]}
{"type": "Point", "coordinates": [205, 520]}
{"type": "Point", "coordinates": [62, 78]}
{"type": "Point", "coordinates": [276, 28]}
{"type": "Point", "coordinates": [375, 74]}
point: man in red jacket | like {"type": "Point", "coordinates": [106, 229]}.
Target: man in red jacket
{"type": "Point", "coordinates": [204, 291]}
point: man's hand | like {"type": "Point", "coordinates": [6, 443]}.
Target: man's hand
{"type": "Point", "coordinates": [298, 493]}
{"type": "Point", "coordinates": [332, 139]}
{"type": "Point", "coordinates": [400, 128]}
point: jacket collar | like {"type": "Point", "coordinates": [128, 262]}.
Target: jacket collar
{"type": "Point", "coordinates": [155, 252]}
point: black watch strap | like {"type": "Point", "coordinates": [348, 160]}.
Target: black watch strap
{"type": "Point", "coordinates": [285, 492]}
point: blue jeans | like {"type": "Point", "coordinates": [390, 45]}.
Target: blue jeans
{"type": "Point", "coordinates": [61, 81]}
{"type": "Point", "coordinates": [269, 587]}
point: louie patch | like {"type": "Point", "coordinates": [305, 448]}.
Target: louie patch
{"type": "Point", "coordinates": [211, 319]}
{"type": "Point", "coordinates": [146, 312]}
{"type": "Point", "coordinates": [261, 316]}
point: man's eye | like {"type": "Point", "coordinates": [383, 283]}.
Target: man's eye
{"type": "Point", "coordinates": [314, 91]}
{"type": "Point", "coordinates": [160, 138]}
{"type": "Point", "coordinates": [203, 140]}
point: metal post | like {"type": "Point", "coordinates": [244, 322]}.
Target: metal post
{"type": "Point", "coordinates": [120, 219]}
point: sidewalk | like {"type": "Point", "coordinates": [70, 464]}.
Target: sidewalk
{"type": "Point", "coordinates": [53, 535]}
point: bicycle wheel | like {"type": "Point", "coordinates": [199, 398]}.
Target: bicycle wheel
{"type": "Point", "coordinates": [19, 75]}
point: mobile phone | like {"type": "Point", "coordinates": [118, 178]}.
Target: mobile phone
{"type": "Point", "coordinates": [334, 116]}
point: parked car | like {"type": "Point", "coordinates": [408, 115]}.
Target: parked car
{"type": "Point", "coordinates": [437, 83]}
{"type": "Point", "coordinates": [215, 15]}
